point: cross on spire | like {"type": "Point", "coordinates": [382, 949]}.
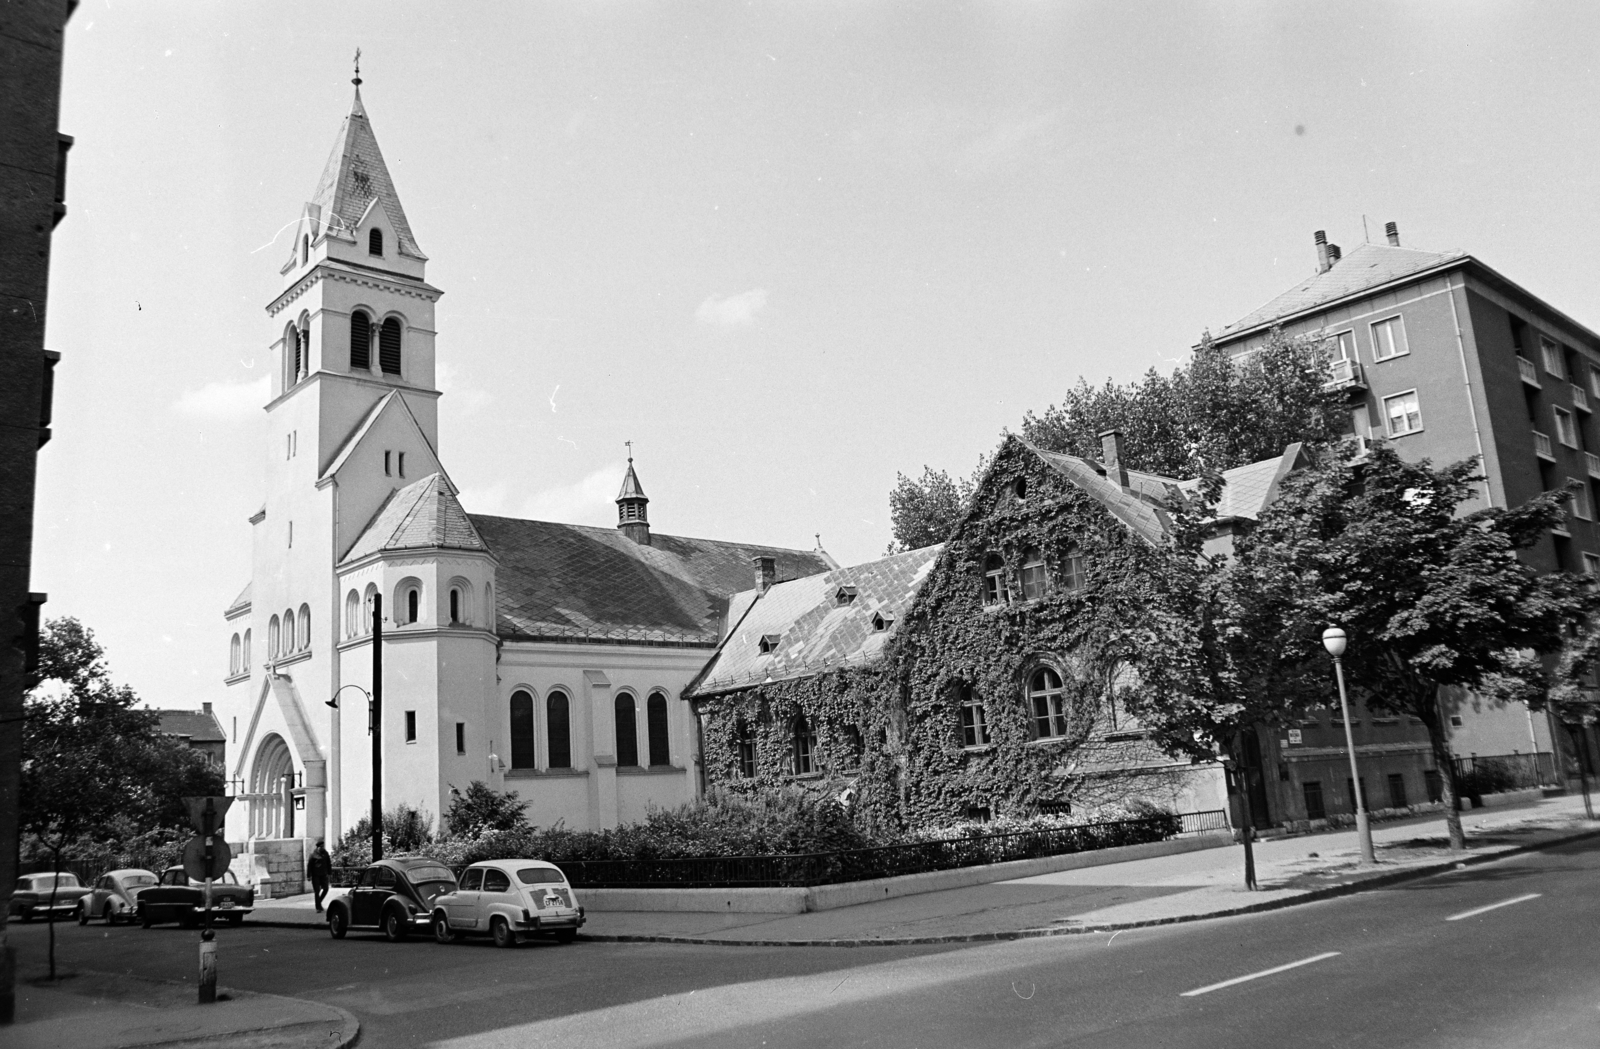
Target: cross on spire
{"type": "Point", "coordinates": [630, 450]}
{"type": "Point", "coordinates": [357, 80]}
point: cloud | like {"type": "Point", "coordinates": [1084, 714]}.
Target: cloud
{"type": "Point", "coordinates": [591, 500]}
{"type": "Point", "coordinates": [225, 400]}
{"type": "Point", "coordinates": [490, 500]}
{"type": "Point", "coordinates": [733, 311]}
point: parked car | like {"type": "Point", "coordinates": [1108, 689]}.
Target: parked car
{"type": "Point", "coordinates": [32, 898]}
{"type": "Point", "coordinates": [180, 898]}
{"type": "Point", "coordinates": [114, 894]}
{"type": "Point", "coordinates": [510, 900]}
{"type": "Point", "coordinates": [393, 895]}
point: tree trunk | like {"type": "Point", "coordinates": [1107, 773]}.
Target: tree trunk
{"type": "Point", "coordinates": [1247, 832]}
{"type": "Point", "coordinates": [1444, 761]}
{"type": "Point", "coordinates": [1580, 739]}
{"type": "Point", "coordinates": [50, 916]}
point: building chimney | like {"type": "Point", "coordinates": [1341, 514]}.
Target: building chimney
{"type": "Point", "coordinates": [766, 571]}
{"type": "Point", "coordinates": [1321, 239]}
{"type": "Point", "coordinates": [1392, 231]}
{"type": "Point", "coordinates": [205, 708]}
{"type": "Point", "coordinates": [1334, 254]}
{"type": "Point", "coordinates": [1111, 454]}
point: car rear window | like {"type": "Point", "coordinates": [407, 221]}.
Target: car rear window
{"type": "Point", "coordinates": [139, 879]}
{"type": "Point", "coordinates": [418, 875]}
{"type": "Point", "coordinates": [540, 876]}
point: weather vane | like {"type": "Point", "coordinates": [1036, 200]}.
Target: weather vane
{"type": "Point", "coordinates": [357, 80]}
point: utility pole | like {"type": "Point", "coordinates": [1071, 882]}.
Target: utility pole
{"type": "Point", "coordinates": [376, 716]}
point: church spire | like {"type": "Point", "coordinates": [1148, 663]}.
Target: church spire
{"type": "Point", "coordinates": [632, 519]}
{"type": "Point", "coordinates": [356, 176]}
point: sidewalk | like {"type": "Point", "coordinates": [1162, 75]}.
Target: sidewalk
{"type": "Point", "coordinates": [118, 1011]}
{"type": "Point", "coordinates": [1185, 887]}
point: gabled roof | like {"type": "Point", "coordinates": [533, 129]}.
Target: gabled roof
{"type": "Point", "coordinates": [815, 632]}
{"type": "Point", "coordinates": [367, 422]}
{"type": "Point", "coordinates": [355, 175]}
{"type": "Point", "coordinates": [424, 515]}
{"type": "Point", "coordinates": [242, 601]}
{"type": "Point", "coordinates": [1365, 268]}
{"type": "Point", "coordinates": [196, 726]}
{"type": "Point", "coordinates": [1141, 513]}
{"type": "Point", "coordinates": [1248, 489]}
{"type": "Point", "coordinates": [581, 583]}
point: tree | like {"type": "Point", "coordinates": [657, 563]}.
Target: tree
{"type": "Point", "coordinates": [482, 808]}
{"type": "Point", "coordinates": [922, 512]}
{"type": "Point", "coordinates": [1572, 694]}
{"type": "Point", "coordinates": [1213, 413]}
{"type": "Point", "coordinates": [1432, 598]}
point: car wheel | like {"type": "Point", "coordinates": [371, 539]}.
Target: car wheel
{"type": "Point", "coordinates": [83, 915]}
{"type": "Point", "coordinates": [394, 926]}
{"type": "Point", "coordinates": [110, 915]}
{"type": "Point", "coordinates": [27, 914]}
{"type": "Point", "coordinates": [338, 923]}
{"type": "Point", "coordinates": [566, 935]}
{"type": "Point", "coordinates": [500, 929]}
{"type": "Point", "coordinates": [442, 931]}
{"type": "Point", "coordinates": [144, 918]}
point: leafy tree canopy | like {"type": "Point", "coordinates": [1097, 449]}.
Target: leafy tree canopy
{"type": "Point", "coordinates": [481, 808]}
{"type": "Point", "coordinates": [923, 511]}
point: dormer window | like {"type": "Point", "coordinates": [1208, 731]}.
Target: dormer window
{"type": "Point", "coordinates": [844, 595]}
{"type": "Point", "coordinates": [882, 621]}
{"type": "Point", "coordinates": [769, 642]}
{"type": "Point", "coordinates": [375, 242]}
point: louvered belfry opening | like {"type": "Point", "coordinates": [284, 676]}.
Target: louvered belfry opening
{"type": "Point", "coordinates": [360, 342]}
{"type": "Point", "coordinates": [389, 347]}
{"type": "Point", "coordinates": [375, 242]}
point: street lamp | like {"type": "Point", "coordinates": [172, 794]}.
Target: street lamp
{"type": "Point", "coordinates": [1333, 639]}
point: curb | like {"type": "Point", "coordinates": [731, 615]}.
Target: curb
{"type": "Point", "coordinates": [1313, 896]}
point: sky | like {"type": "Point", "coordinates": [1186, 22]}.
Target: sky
{"type": "Point", "coordinates": [789, 250]}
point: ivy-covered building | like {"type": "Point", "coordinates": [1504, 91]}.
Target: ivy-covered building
{"type": "Point", "coordinates": [964, 680]}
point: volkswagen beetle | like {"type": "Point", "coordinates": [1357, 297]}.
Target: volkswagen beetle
{"type": "Point", "coordinates": [396, 896]}
{"type": "Point", "coordinates": [114, 896]}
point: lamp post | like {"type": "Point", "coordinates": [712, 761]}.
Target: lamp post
{"type": "Point", "coordinates": [1333, 639]}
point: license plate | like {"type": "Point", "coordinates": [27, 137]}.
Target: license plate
{"type": "Point", "coordinates": [225, 904]}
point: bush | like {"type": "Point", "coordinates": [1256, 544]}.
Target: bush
{"type": "Point", "coordinates": [482, 808]}
{"type": "Point", "coordinates": [405, 830]}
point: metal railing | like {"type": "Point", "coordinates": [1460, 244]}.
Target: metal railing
{"type": "Point", "coordinates": [1489, 773]}
{"type": "Point", "coordinates": [829, 868]}
{"type": "Point", "coordinates": [1200, 822]}
{"type": "Point", "coordinates": [1541, 446]}
{"type": "Point", "coordinates": [1343, 373]}
{"type": "Point", "coordinates": [1527, 371]}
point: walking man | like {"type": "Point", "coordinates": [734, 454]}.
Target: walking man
{"type": "Point", "coordinates": [319, 868]}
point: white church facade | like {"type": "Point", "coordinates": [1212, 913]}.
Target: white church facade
{"type": "Point", "coordinates": [539, 657]}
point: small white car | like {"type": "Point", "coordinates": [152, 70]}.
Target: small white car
{"type": "Point", "coordinates": [510, 900]}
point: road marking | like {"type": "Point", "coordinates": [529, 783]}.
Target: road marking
{"type": "Point", "coordinates": [1256, 976]}
{"type": "Point", "coordinates": [1494, 906]}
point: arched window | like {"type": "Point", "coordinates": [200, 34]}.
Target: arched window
{"type": "Point", "coordinates": [413, 604]}
{"type": "Point", "coordinates": [389, 346]}
{"type": "Point", "coordinates": [360, 342]}
{"type": "Point", "coordinates": [455, 605]}
{"type": "Point", "coordinates": [235, 650]}
{"type": "Point", "coordinates": [305, 346]}
{"type": "Point", "coordinates": [1049, 710]}
{"type": "Point", "coordinates": [305, 249]}
{"type": "Point", "coordinates": [1035, 581]}
{"type": "Point", "coordinates": [655, 717]}
{"type": "Point", "coordinates": [245, 665]}
{"type": "Point", "coordinates": [1074, 576]}
{"type": "Point", "coordinates": [996, 590]}
{"type": "Point", "coordinates": [974, 721]}
{"type": "Point", "coordinates": [286, 639]}
{"type": "Point", "coordinates": [407, 603]}
{"type": "Point", "coordinates": [523, 748]}
{"type": "Point", "coordinates": [291, 356]}
{"type": "Point", "coordinates": [367, 597]}
{"type": "Point", "coordinates": [303, 624]}
{"type": "Point", "coordinates": [272, 638]}
{"type": "Point", "coordinates": [627, 732]}
{"type": "Point", "coordinates": [804, 754]}
{"type": "Point", "coordinates": [558, 730]}
{"type": "Point", "coordinates": [744, 747]}
{"type": "Point", "coordinates": [352, 614]}
{"type": "Point", "coordinates": [375, 242]}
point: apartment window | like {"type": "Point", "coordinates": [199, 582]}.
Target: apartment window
{"type": "Point", "coordinates": [1591, 565]}
{"type": "Point", "coordinates": [995, 589]}
{"type": "Point", "coordinates": [411, 726]}
{"type": "Point", "coordinates": [461, 737]}
{"type": "Point", "coordinates": [1402, 413]}
{"type": "Point", "coordinates": [1343, 346]}
{"type": "Point", "coordinates": [1389, 339]}
{"type": "Point", "coordinates": [1594, 381]}
{"type": "Point", "coordinates": [1046, 699]}
{"type": "Point", "coordinates": [974, 723]}
{"type": "Point", "coordinates": [1034, 580]}
{"type": "Point", "coordinates": [1580, 501]}
{"type": "Point", "coordinates": [1552, 358]}
{"type": "Point", "coordinates": [1397, 791]}
{"type": "Point", "coordinates": [1566, 430]}
{"type": "Point", "coordinates": [1312, 792]}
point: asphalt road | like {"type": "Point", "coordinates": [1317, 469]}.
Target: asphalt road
{"type": "Point", "coordinates": [1417, 965]}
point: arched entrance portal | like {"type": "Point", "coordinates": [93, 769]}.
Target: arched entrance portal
{"type": "Point", "coordinates": [272, 808]}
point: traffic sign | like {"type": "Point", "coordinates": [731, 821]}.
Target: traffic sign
{"type": "Point", "coordinates": [194, 858]}
{"type": "Point", "coordinates": [197, 811]}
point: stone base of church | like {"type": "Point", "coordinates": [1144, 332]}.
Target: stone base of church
{"type": "Point", "coordinates": [276, 866]}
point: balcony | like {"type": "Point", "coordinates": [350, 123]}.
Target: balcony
{"type": "Point", "coordinates": [1594, 463]}
{"type": "Point", "coordinates": [1360, 447]}
{"type": "Point", "coordinates": [1580, 399]}
{"type": "Point", "coordinates": [1345, 375]}
{"type": "Point", "coordinates": [1529, 373]}
{"type": "Point", "coordinates": [1541, 446]}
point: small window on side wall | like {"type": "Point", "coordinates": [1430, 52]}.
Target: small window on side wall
{"type": "Point", "coordinates": [455, 606]}
{"type": "Point", "coordinates": [1046, 698]}
{"type": "Point", "coordinates": [1035, 581]}
{"type": "Point", "coordinates": [375, 242]}
{"type": "Point", "coordinates": [996, 590]}
{"type": "Point", "coordinates": [974, 721]}
{"type": "Point", "coordinates": [803, 756]}
{"type": "Point", "coordinates": [1074, 575]}
{"type": "Point", "coordinates": [744, 748]}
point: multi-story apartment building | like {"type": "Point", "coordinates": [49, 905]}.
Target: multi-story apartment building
{"type": "Point", "coordinates": [1447, 360]}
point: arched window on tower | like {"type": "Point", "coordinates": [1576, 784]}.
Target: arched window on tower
{"type": "Point", "coordinates": [413, 604]}
{"type": "Point", "coordinates": [304, 332]}
{"type": "Point", "coordinates": [655, 716]}
{"type": "Point", "coordinates": [305, 249]}
{"type": "Point", "coordinates": [360, 342]}
{"type": "Point", "coordinates": [352, 614]}
{"type": "Point", "coordinates": [455, 606]}
{"type": "Point", "coordinates": [235, 649]}
{"type": "Point", "coordinates": [291, 356]}
{"type": "Point", "coordinates": [375, 242]}
{"type": "Point", "coordinates": [246, 664]}
{"type": "Point", "coordinates": [273, 630]}
{"type": "Point", "coordinates": [389, 346]}
{"type": "Point", "coordinates": [558, 730]}
{"type": "Point", "coordinates": [627, 733]}
{"type": "Point", "coordinates": [286, 639]}
{"type": "Point", "coordinates": [522, 741]}
{"type": "Point", "coordinates": [303, 624]}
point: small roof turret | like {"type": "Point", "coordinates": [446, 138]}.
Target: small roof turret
{"type": "Point", "coordinates": [632, 517]}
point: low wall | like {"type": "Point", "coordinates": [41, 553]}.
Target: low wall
{"type": "Point", "coordinates": [286, 864]}
{"type": "Point", "coordinates": [848, 894]}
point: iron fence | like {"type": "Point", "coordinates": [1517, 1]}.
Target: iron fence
{"type": "Point", "coordinates": [1200, 822]}
{"type": "Point", "coordinates": [1488, 773]}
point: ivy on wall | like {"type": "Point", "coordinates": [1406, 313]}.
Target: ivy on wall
{"type": "Point", "coordinates": [914, 769]}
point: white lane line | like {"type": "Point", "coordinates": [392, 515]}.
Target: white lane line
{"type": "Point", "coordinates": [1494, 906]}
{"type": "Point", "coordinates": [1256, 976]}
